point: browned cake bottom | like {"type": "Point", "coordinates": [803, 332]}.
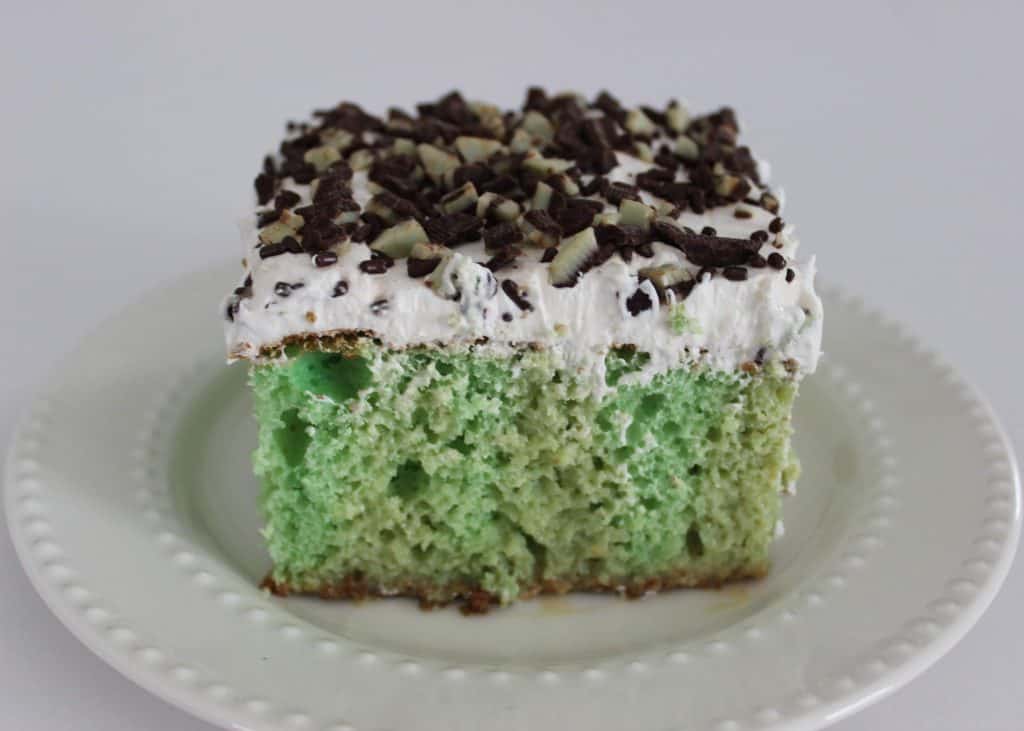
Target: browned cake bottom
{"type": "Point", "coordinates": [474, 600]}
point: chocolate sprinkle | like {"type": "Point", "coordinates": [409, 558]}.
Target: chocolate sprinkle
{"type": "Point", "coordinates": [776, 260]}
{"type": "Point", "coordinates": [377, 265]}
{"type": "Point", "coordinates": [776, 225]}
{"type": "Point", "coordinates": [734, 274]}
{"type": "Point", "coordinates": [325, 258]}
{"type": "Point", "coordinates": [790, 275]}
{"type": "Point", "coordinates": [511, 289]}
{"type": "Point", "coordinates": [284, 289]}
{"type": "Point", "coordinates": [379, 307]}
{"type": "Point", "coordinates": [549, 254]}
{"type": "Point", "coordinates": [340, 289]}
{"type": "Point", "coordinates": [759, 236]}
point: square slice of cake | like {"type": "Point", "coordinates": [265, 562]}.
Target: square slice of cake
{"type": "Point", "coordinates": [496, 353]}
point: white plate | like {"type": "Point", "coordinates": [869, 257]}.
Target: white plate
{"type": "Point", "coordinates": [133, 509]}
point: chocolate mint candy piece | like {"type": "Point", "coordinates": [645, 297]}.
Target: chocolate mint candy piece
{"type": "Point", "coordinates": [367, 231]}
{"type": "Point", "coordinates": [687, 149]}
{"type": "Point", "coordinates": [734, 274]}
{"type": "Point", "coordinates": [536, 98]}
{"type": "Point", "coordinates": [776, 260]}
{"type": "Point", "coordinates": [477, 149]}
{"type": "Point", "coordinates": [573, 219]}
{"type": "Point", "coordinates": [396, 241]}
{"type": "Point", "coordinates": [610, 106]}
{"type": "Point", "coordinates": [286, 199]}
{"type": "Point", "coordinates": [502, 235]}
{"type": "Point", "coordinates": [438, 164]}
{"type": "Point", "coordinates": [618, 192]}
{"type": "Point", "coordinates": [677, 117]}
{"type": "Point", "coordinates": [265, 218]}
{"type": "Point", "coordinates": [634, 213]}
{"type": "Point", "coordinates": [459, 200]}
{"type": "Point", "coordinates": [540, 229]}
{"type": "Point", "coordinates": [455, 228]}
{"type": "Point", "coordinates": [265, 185]}
{"type": "Point", "coordinates": [391, 208]}
{"type": "Point", "coordinates": [572, 257]}
{"type": "Point", "coordinates": [503, 258]}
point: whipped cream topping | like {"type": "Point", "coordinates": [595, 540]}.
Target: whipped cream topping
{"type": "Point", "coordinates": [773, 314]}
{"type": "Point", "coordinates": [685, 257]}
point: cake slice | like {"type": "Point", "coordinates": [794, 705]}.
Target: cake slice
{"type": "Point", "coordinates": [498, 353]}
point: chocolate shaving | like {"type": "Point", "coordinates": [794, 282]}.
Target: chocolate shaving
{"type": "Point", "coordinates": [502, 235]}
{"type": "Point", "coordinates": [638, 302]}
{"type": "Point", "coordinates": [417, 268]}
{"type": "Point", "coordinates": [505, 257]}
{"type": "Point", "coordinates": [717, 251]}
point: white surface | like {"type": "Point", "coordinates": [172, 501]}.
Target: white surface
{"type": "Point", "coordinates": [143, 537]}
{"type": "Point", "coordinates": [130, 135]}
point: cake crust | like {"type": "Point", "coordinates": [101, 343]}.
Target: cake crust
{"type": "Point", "coordinates": [474, 599]}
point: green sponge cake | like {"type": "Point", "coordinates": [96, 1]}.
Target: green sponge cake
{"type": "Point", "coordinates": [501, 353]}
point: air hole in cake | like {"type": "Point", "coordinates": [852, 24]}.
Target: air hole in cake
{"type": "Point", "coordinates": [334, 375]}
{"type": "Point", "coordinates": [409, 479]}
{"type": "Point", "coordinates": [292, 438]}
{"type": "Point", "coordinates": [694, 544]}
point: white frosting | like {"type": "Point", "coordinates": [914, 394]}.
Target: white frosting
{"type": "Point", "coordinates": [726, 323]}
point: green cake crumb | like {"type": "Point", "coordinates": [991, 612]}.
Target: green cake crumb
{"type": "Point", "coordinates": [452, 471]}
{"type": "Point", "coordinates": [679, 321]}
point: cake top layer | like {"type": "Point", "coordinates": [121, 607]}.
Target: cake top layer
{"type": "Point", "coordinates": [571, 224]}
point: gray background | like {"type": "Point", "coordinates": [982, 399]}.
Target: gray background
{"type": "Point", "coordinates": [131, 132]}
